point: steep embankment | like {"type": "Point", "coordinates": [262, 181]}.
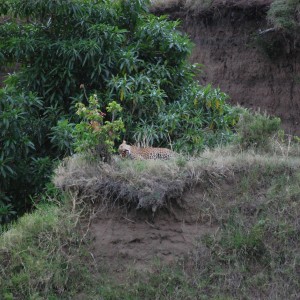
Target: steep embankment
{"type": "Point", "coordinates": [256, 70]}
{"type": "Point", "coordinates": [223, 225]}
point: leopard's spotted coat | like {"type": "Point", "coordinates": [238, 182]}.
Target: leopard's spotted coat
{"type": "Point", "coordinates": [135, 152]}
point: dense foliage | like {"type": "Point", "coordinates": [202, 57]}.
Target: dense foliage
{"type": "Point", "coordinates": [255, 130]}
{"type": "Point", "coordinates": [24, 161]}
{"type": "Point", "coordinates": [284, 14]}
{"type": "Point", "coordinates": [92, 133]}
{"type": "Point", "coordinates": [67, 50]}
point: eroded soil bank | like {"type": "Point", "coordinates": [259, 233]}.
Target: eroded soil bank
{"type": "Point", "coordinates": [256, 70]}
{"type": "Point", "coordinates": [132, 242]}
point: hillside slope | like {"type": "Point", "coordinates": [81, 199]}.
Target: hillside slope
{"type": "Point", "coordinates": [226, 226]}
{"type": "Point", "coordinates": [256, 70]}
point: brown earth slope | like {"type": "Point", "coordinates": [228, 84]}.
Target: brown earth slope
{"type": "Point", "coordinates": [230, 217]}
{"type": "Point", "coordinates": [228, 44]}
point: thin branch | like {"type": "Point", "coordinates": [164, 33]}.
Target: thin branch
{"type": "Point", "coordinates": [262, 32]}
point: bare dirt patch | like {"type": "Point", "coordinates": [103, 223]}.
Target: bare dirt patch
{"type": "Point", "coordinates": [259, 71]}
{"type": "Point", "coordinates": [132, 242]}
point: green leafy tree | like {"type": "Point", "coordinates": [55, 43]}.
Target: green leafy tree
{"type": "Point", "coordinates": [116, 49]}
{"type": "Point", "coordinates": [63, 44]}
{"type": "Point", "coordinates": [24, 165]}
{"type": "Point", "coordinates": [118, 52]}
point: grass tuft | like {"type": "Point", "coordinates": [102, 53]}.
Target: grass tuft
{"type": "Point", "coordinates": [152, 184]}
{"type": "Point", "coordinates": [38, 256]}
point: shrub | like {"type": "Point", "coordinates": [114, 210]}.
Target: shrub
{"type": "Point", "coordinates": [24, 165]}
{"type": "Point", "coordinates": [200, 118]}
{"type": "Point", "coordinates": [284, 14]}
{"type": "Point", "coordinates": [255, 130]}
{"type": "Point", "coordinates": [92, 132]}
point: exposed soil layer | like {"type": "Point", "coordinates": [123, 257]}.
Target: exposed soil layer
{"type": "Point", "coordinates": [124, 235]}
{"type": "Point", "coordinates": [134, 242]}
{"type": "Point", "coordinates": [228, 44]}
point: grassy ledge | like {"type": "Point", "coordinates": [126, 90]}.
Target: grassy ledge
{"type": "Point", "coordinates": [252, 198]}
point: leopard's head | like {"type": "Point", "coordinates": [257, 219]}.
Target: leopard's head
{"type": "Point", "coordinates": [124, 149]}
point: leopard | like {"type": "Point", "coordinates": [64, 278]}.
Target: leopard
{"type": "Point", "coordinates": [134, 152]}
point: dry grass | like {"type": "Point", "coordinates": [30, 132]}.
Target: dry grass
{"type": "Point", "coordinates": [151, 184]}
{"type": "Point", "coordinates": [142, 184]}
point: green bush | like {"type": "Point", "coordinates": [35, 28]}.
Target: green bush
{"type": "Point", "coordinates": [24, 163]}
{"type": "Point", "coordinates": [117, 51]}
{"type": "Point", "coordinates": [92, 132]}
{"type": "Point", "coordinates": [201, 118]}
{"type": "Point", "coordinates": [255, 130]}
{"type": "Point", "coordinates": [283, 14]}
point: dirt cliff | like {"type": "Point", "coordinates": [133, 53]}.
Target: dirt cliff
{"type": "Point", "coordinates": [256, 67]}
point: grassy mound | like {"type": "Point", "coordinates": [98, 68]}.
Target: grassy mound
{"type": "Point", "coordinates": [151, 184]}
{"type": "Point", "coordinates": [40, 256]}
{"type": "Point", "coordinates": [253, 199]}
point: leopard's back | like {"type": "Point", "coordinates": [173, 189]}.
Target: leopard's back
{"type": "Point", "coordinates": [151, 153]}
{"type": "Point", "coordinates": [135, 152]}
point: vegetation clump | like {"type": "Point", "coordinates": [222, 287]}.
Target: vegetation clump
{"type": "Point", "coordinates": [41, 256]}
{"type": "Point", "coordinates": [256, 130]}
{"type": "Point", "coordinates": [284, 14]}
{"type": "Point", "coordinates": [69, 51]}
{"type": "Point", "coordinates": [24, 167]}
